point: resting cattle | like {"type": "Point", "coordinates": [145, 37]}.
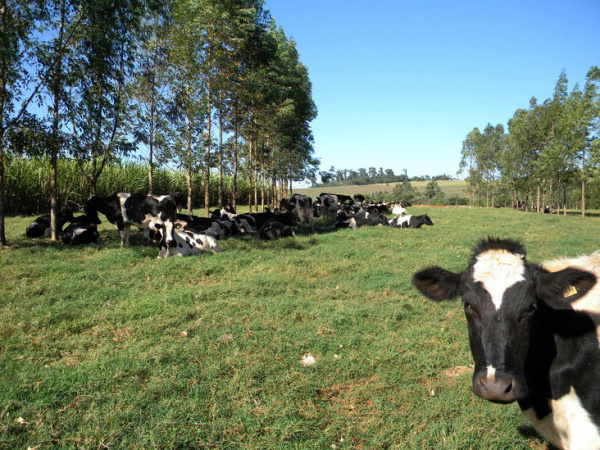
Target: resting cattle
{"type": "Point", "coordinates": [534, 335]}
{"type": "Point", "coordinates": [41, 226]}
{"type": "Point", "coordinates": [143, 211]}
{"type": "Point", "coordinates": [82, 230]}
{"type": "Point", "coordinates": [187, 240]}
{"type": "Point", "coordinates": [361, 218]}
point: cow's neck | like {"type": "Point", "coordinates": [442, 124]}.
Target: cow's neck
{"type": "Point", "coordinates": [542, 351]}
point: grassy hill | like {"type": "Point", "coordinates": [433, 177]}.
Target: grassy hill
{"type": "Point", "coordinates": [449, 187]}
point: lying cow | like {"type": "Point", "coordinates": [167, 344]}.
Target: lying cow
{"type": "Point", "coordinates": [360, 219]}
{"type": "Point", "coordinates": [40, 227]}
{"type": "Point", "coordinates": [411, 221]}
{"type": "Point", "coordinates": [187, 240]}
{"type": "Point", "coordinates": [534, 333]}
{"type": "Point", "coordinates": [147, 212]}
{"type": "Point", "coordinates": [273, 229]}
{"type": "Point", "coordinates": [82, 230]}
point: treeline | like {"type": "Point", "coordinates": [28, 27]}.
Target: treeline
{"type": "Point", "coordinates": [372, 175]}
{"type": "Point", "coordinates": [212, 88]}
{"type": "Point", "coordinates": [550, 155]}
{"type": "Point", "coordinates": [407, 194]}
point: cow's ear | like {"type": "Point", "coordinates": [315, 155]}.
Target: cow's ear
{"type": "Point", "coordinates": [564, 287]}
{"type": "Point", "coordinates": [437, 284]}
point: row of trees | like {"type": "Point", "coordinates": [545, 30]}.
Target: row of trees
{"type": "Point", "coordinates": [549, 155]}
{"type": "Point", "coordinates": [372, 175]}
{"type": "Point", "coordinates": [208, 86]}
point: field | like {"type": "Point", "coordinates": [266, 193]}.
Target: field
{"type": "Point", "coordinates": [103, 347]}
{"type": "Point", "coordinates": [449, 187]}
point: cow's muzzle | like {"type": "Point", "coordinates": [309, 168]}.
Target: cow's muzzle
{"type": "Point", "coordinates": [499, 387]}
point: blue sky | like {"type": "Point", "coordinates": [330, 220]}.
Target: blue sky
{"type": "Point", "coordinates": [399, 84]}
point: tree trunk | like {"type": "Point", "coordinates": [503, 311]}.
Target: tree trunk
{"type": "Point", "coordinates": [207, 163]}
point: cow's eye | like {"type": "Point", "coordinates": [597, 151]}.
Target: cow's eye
{"type": "Point", "coordinates": [527, 312]}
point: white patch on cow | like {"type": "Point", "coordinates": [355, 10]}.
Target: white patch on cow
{"type": "Point", "coordinates": [544, 426]}
{"type": "Point", "coordinates": [123, 196]}
{"type": "Point", "coordinates": [569, 425]}
{"type": "Point", "coordinates": [399, 210]}
{"type": "Point", "coordinates": [498, 270]}
{"type": "Point", "coordinates": [573, 423]}
{"type": "Point", "coordinates": [353, 223]}
{"type": "Point", "coordinates": [491, 374]}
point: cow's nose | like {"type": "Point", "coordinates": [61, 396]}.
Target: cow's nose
{"type": "Point", "coordinates": [500, 388]}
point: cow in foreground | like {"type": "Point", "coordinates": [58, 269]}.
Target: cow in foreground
{"type": "Point", "coordinates": [534, 335]}
{"type": "Point", "coordinates": [188, 239]}
{"type": "Point", "coordinates": [147, 212]}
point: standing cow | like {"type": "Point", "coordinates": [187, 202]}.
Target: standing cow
{"type": "Point", "coordinates": [147, 212]}
{"type": "Point", "coordinates": [534, 335]}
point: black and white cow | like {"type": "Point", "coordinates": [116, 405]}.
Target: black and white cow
{"type": "Point", "coordinates": [534, 332]}
{"type": "Point", "coordinates": [301, 206]}
{"type": "Point", "coordinates": [188, 239]}
{"type": "Point", "coordinates": [330, 205]}
{"type": "Point", "coordinates": [360, 219]}
{"type": "Point", "coordinates": [147, 212]}
{"type": "Point", "coordinates": [274, 229]}
{"type": "Point", "coordinates": [40, 227]}
{"type": "Point", "coordinates": [253, 222]}
{"type": "Point", "coordinates": [411, 221]}
{"type": "Point", "coordinates": [82, 230]}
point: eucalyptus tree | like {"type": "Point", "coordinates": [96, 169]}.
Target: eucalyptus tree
{"type": "Point", "coordinates": [101, 66]}
{"type": "Point", "coordinates": [149, 85]}
{"type": "Point", "coordinates": [469, 163]}
{"type": "Point", "coordinates": [18, 20]}
{"type": "Point", "coordinates": [584, 113]}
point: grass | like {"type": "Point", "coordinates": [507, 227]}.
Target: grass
{"type": "Point", "coordinates": [103, 347]}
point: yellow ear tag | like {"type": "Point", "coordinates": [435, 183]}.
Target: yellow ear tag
{"type": "Point", "coordinates": [570, 291]}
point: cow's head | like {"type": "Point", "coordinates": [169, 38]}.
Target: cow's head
{"type": "Point", "coordinates": [508, 303]}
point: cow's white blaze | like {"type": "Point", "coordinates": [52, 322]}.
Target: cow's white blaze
{"type": "Point", "coordinates": [498, 270]}
{"type": "Point", "coordinates": [491, 373]}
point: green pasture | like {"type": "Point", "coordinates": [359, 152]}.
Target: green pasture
{"type": "Point", "coordinates": [449, 187]}
{"type": "Point", "coordinates": [103, 347]}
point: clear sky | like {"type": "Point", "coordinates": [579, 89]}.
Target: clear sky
{"type": "Point", "coordinates": [399, 84]}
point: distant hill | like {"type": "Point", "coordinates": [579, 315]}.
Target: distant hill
{"type": "Point", "coordinates": [449, 187]}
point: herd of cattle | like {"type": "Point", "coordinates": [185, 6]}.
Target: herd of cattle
{"type": "Point", "coordinates": [181, 234]}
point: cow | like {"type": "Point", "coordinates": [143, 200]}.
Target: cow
{"type": "Point", "coordinates": [82, 230]}
{"type": "Point", "coordinates": [398, 209]}
{"type": "Point", "coordinates": [188, 239]}
{"type": "Point", "coordinates": [40, 227]}
{"type": "Point", "coordinates": [147, 212]}
{"type": "Point", "coordinates": [362, 218]}
{"type": "Point", "coordinates": [301, 207]}
{"type": "Point", "coordinates": [534, 334]}
{"type": "Point", "coordinates": [329, 205]}
{"type": "Point", "coordinates": [274, 229]}
{"type": "Point", "coordinates": [411, 221]}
